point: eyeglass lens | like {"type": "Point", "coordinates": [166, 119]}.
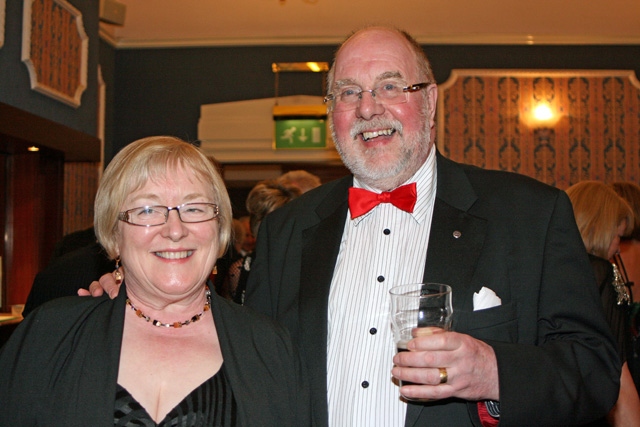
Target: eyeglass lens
{"type": "Point", "coordinates": [158, 215]}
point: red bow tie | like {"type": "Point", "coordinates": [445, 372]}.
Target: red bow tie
{"type": "Point", "coordinates": [362, 201]}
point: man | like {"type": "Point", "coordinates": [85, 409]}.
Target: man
{"type": "Point", "coordinates": [544, 353]}
{"type": "Point", "coordinates": [541, 356]}
{"type": "Point", "coordinates": [66, 272]}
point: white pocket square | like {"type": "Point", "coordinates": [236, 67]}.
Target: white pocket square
{"type": "Point", "coordinates": [484, 299]}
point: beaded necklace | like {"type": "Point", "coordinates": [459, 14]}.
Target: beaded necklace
{"type": "Point", "coordinates": [154, 322]}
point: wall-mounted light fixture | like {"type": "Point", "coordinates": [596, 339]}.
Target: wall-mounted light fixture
{"type": "Point", "coordinates": [304, 67]}
{"type": "Point", "coordinates": [541, 114]}
{"type": "Point", "coordinates": [314, 67]}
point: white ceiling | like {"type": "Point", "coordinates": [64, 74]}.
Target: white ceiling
{"type": "Point", "coordinates": [166, 23]}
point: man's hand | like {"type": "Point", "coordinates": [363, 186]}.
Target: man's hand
{"type": "Point", "coordinates": [471, 366]}
{"type": "Point", "coordinates": [109, 283]}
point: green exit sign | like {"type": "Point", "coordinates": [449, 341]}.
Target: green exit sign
{"type": "Point", "coordinates": [300, 133]}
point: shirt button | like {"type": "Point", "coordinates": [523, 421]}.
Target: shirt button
{"type": "Point", "coordinates": [365, 384]}
{"type": "Point", "coordinates": [373, 331]}
{"type": "Point", "coordinates": [387, 231]}
{"type": "Point", "coordinates": [380, 279]}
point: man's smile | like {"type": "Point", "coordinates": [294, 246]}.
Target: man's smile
{"type": "Point", "coordinates": [366, 136]}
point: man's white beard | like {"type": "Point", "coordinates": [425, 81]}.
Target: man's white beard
{"type": "Point", "coordinates": [411, 154]}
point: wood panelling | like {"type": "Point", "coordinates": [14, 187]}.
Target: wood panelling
{"type": "Point", "coordinates": [33, 219]}
{"type": "Point", "coordinates": [32, 186]}
{"type": "Point", "coordinates": [80, 186]}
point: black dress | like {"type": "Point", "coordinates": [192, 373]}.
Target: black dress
{"type": "Point", "coordinates": [616, 314]}
{"type": "Point", "coordinates": [210, 404]}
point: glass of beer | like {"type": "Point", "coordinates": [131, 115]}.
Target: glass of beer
{"type": "Point", "coordinates": [418, 305]}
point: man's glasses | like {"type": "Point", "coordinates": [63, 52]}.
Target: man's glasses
{"type": "Point", "coordinates": [149, 216]}
{"type": "Point", "coordinates": [386, 93]}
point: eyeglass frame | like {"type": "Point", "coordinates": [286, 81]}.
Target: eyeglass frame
{"type": "Point", "coordinates": [406, 89]}
{"type": "Point", "coordinates": [124, 216]}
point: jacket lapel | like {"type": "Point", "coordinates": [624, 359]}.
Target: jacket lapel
{"type": "Point", "coordinates": [321, 243]}
{"type": "Point", "coordinates": [455, 243]}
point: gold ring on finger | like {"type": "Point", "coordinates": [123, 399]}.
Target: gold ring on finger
{"type": "Point", "coordinates": [444, 377]}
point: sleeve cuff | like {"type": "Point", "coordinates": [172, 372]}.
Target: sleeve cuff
{"type": "Point", "coordinates": [489, 413]}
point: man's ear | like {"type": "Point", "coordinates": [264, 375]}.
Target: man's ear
{"type": "Point", "coordinates": [432, 102]}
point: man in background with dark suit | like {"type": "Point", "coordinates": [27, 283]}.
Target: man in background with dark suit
{"type": "Point", "coordinates": [67, 271]}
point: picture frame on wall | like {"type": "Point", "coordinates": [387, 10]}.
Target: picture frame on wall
{"type": "Point", "coordinates": [55, 49]}
{"type": "Point", "coordinates": [2, 17]}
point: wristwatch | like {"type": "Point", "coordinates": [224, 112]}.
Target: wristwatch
{"type": "Point", "coordinates": [493, 408]}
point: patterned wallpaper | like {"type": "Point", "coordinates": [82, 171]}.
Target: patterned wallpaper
{"type": "Point", "coordinates": [80, 186]}
{"type": "Point", "coordinates": [485, 119]}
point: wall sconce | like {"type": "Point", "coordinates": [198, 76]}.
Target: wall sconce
{"type": "Point", "coordinates": [541, 115]}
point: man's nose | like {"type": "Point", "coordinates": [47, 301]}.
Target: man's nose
{"type": "Point", "coordinates": [368, 106]}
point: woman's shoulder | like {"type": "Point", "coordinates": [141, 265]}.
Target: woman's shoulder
{"type": "Point", "coordinates": [70, 305]}
{"type": "Point", "coordinates": [243, 317]}
{"type": "Point", "coordinates": [56, 329]}
{"type": "Point", "coordinates": [61, 315]}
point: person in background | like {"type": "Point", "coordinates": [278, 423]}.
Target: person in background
{"type": "Point", "coordinates": [76, 259]}
{"type": "Point", "coordinates": [234, 253]}
{"type": "Point", "coordinates": [239, 236]}
{"type": "Point", "coordinates": [603, 218]}
{"type": "Point", "coordinates": [630, 244]}
{"type": "Point", "coordinates": [249, 243]}
{"type": "Point", "coordinates": [628, 262]}
{"type": "Point", "coordinates": [302, 179]}
{"type": "Point", "coordinates": [520, 351]}
{"type": "Point", "coordinates": [168, 350]}
{"type": "Point", "coordinates": [72, 241]}
{"type": "Point", "coordinates": [66, 273]}
{"type": "Point", "coordinates": [263, 199]}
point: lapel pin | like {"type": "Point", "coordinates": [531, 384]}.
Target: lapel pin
{"type": "Point", "coordinates": [457, 234]}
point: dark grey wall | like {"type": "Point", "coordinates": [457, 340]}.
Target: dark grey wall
{"type": "Point", "coordinates": [107, 67]}
{"type": "Point", "coordinates": [15, 88]}
{"type": "Point", "coordinates": [159, 91]}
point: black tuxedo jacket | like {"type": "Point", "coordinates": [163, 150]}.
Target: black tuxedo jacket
{"type": "Point", "coordinates": [556, 358]}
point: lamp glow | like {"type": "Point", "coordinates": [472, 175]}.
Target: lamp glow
{"type": "Point", "coordinates": [542, 113]}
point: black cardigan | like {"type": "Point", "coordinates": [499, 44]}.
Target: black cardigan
{"type": "Point", "coordinates": [60, 366]}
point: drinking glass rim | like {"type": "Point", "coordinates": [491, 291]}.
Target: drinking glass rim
{"type": "Point", "coordinates": [399, 290]}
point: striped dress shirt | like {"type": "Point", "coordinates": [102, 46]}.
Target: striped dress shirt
{"type": "Point", "coordinates": [383, 248]}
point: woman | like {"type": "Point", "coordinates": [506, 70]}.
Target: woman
{"type": "Point", "coordinates": [628, 262]}
{"type": "Point", "coordinates": [603, 218]}
{"type": "Point", "coordinates": [174, 353]}
{"type": "Point", "coordinates": [630, 244]}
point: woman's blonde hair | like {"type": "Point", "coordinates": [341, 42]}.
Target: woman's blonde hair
{"type": "Point", "coordinates": [599, 211]}
{"type": "Point", "coordinates": [630, 192]}
{"type": "Point", "coordinates": [149, 159]}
